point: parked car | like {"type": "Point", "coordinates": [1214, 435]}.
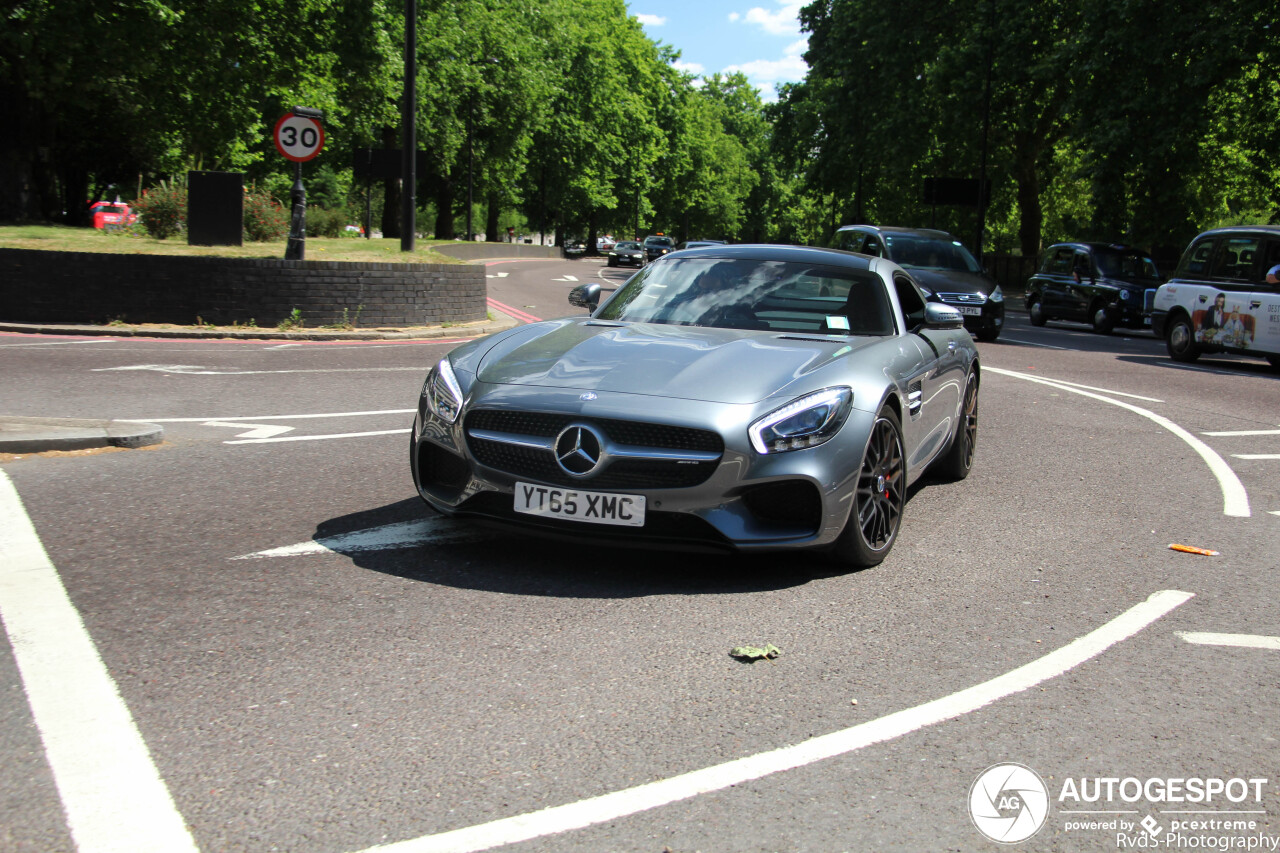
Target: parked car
{"type": "Point", "coordinates": [111, 214]}
{"type": "Point", "coordinates": [605, 243]}
{"type": "Point", "coordinates": [1103, 284]}
{"type": "Point", "coordinates": [627, 252]}
{"type": "Point", "coordinates": [738, 398]}
{"type": "Point", "coordinates": [1219, 298]}
{"type": "Point", "coordinates": [945, 270]}
{"type": "Point", "coordinates": [575, 247]}
{"type": "Point", "coordinates": [657, 245]}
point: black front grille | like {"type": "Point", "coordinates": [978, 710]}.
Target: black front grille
{"type": "Point", "coordinates": [538, 464]}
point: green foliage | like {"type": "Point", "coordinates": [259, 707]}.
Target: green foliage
{"type": "Point", "coordinates": [265, 219]}
{"type": "Point", "coordinates": [293, 323]}
{"type": "Point", "coordinates": [325, 222]}
{"type": "Point", "coordinates": [162, 210]}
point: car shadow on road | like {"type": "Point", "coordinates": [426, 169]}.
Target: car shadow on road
{"type": "Point", "coordinates": [468, 555]}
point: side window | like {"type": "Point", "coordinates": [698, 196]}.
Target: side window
{"type": "Point", "coordinates": [873, 247]}
{"type": "Point", "coordinates": [848, 240]}
{"type": "Point", "coordinates": [1195, 261]}
{"type": "Point", "coordinates": [1270, 252]}
{"type": "Point", "coordinates": [911, 300]}
{"type": "Point", "coordinates": [1059, 262]}
{"type": "Point", "coordinates": [1082, 265]}
{"type": "Point", "coordinates": [1235, 258]}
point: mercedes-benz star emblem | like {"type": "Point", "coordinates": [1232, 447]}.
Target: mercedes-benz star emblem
{"type": "Point", "coordinates": [579, 450]}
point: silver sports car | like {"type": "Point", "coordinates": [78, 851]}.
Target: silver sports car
{"type": "Point", "coordinates": [744, 398]}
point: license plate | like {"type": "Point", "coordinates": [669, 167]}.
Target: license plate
{"type": "Point", "coordinates": [578, 505]}
{"type": "Point", "coordinates": [969, 310]}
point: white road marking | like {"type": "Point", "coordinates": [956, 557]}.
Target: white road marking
{"type": "Point", "coordinates": [111, 791]}
{"type": "Point", "coordinates": [1246, 641]}
{"type": "Point", "coordinates": [1009, 340]}
{"type": "Point", "coordinates": [612, 806]}
{"type": "Point", "coordinates": [197, 370]}
{"type": "Point", "coordinates": [1243, 432]}
{"type": "Point", "coordinates": [497, 275]}
{"type": "Point", "coordinates": [254, 430]}
{"type": "Point", "coordinates": [319, 437]}
{"type": "Point", "coordinates": [1105, 391]}
{"type": "Point", "coordinates": [404, 534]}
{"type": "Point", "coordinates": [1255, 455]}
{"type": "Point", "coordinates": [1235, 500]}
{"type": "Point", "coordinates": [566, 278]}
{"type": "Point", "coordinates": [272, 417]}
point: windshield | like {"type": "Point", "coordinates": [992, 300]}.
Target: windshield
{"type": "Point", "coordinates": [1126, 264]}
{"type": "Point", "coordinates": [658, 241]}
{"type": "Point", "coordinates": [626, 247]}
{"type": "Point", "coordinates": [774, 296]}
{"type": "Point", "coordinates": [930, 253]}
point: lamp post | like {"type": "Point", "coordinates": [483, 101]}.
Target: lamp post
{"type": "Point", "coordinates": [409, 130]}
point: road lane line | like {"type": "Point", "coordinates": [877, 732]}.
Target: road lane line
{"type": "Point", "coordinates": [318, 437]}
{"type": "Point", "coordinates": [403, 534]}
{"type": "Point", "coordinates": [1244, 641]}
{"type": "Point", "coordinates": [512, 312]}
{"type": "Point", "coordinates": [629, 801]}
{"type": "Point", "coordinates": [1106, 391]}
{"type": "Point", "coordinates": [1243, 432]}
{"type": "Point", "coordinates": [269, 417]}
{"type": "Point", "coordinates": [196, 370]}
{"type": "Point", "coordinates": [111, 791]}
{"type": "Point", "coordinates": [1008, 340]}
{"type": "Point", "coordinates": [1235, 500]}
{"type": "Point", "coordinates": [1255, 455]}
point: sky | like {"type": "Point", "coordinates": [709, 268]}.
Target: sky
{"type": "Point", "coordinates": [760, 38]}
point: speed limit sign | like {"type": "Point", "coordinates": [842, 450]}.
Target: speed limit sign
{"type": "Point", "coordinates": [299, 138]}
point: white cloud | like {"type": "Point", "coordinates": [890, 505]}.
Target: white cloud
{"type": "Point", "coordinates": [694, 68]}
{"type": "Point", "coordinates": [784, 21]}
{"type": "Point", "coordinates": [789, 69]}
{"type": "Point", "coordinates": [651, 20]}
{"type": "Point", "coordinates": [734, 17]}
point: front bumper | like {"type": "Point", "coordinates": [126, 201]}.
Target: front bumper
{"type": "Point", "coordinates": [740, 501]}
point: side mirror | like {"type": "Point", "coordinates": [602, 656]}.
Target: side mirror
{"type": "Point", "coordinates": [585, 296]}
{"type": "Point", "coordinates": [939, 316]}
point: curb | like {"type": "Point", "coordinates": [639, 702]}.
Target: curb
{"type": "Point", "coordinates": [465, 330]}
{"type": "Point", "coordinates": [36, 435]}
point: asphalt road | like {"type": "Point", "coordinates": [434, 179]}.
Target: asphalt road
{"type": "Point", "coordinates": [268, 643]}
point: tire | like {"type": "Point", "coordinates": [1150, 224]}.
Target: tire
{"type": "Point", "coordinates": [1037, 313]}
{"type": "Point", "coordinates": [1180, 339]}
{"type": "Point", "coordinates": [988, 335]}
{"type": "Point", "coordinates": [957, 462]}
{"type": "Point", "coordinates": [613, 262]}
{"type": "Point", "coordinates": [881, 496]}
{"type": "Point", "coordinates": [1102, 322]}
{"type": "Point", "coordinates": [1275, 361]}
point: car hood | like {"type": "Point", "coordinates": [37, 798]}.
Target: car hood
{"type": "Point", "coordinates": [678, 362]}
{"type": "Point", "coordinates": [951, 281]}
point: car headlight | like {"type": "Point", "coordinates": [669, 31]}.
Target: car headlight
{"type": "Point", "coordinates": [806, 422]}
{"type": "Point", "coordinates": [443, 394]}
{"type": "Point", "coordinates": [1125, 295]}
{"type": "Point", "coordinates": [997, 295]}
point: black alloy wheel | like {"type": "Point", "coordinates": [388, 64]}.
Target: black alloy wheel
{"type": "Point", "coordinates": [1102, 322]}
{"type": "Point", "coordinates": [1037, 313]}
{"type": "Point", "coordinates": [1180, 339]}
{"type": "Point", "coordinates": [958, 460]}
{"type": "Point", "coordinates": [880, 499]}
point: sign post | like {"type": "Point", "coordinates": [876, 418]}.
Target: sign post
{"type": "Point", "coordinates": [299, 136]}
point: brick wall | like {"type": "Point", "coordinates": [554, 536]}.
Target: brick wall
{"type": "Point", "coordinates": [83, 287]}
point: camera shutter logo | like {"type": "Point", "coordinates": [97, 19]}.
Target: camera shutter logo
{"type": "Point", "coordinates": [1008, 803]}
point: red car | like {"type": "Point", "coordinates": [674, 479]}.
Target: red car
{"type": "Point", "coordinates": [113, 213]}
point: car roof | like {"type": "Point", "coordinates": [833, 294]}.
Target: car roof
{"type": "Point", "coordinates": [1082, 244]}
{"type": "Point", "coordinates": [777, 252]}
{"type": "Point", "coordinates": [890, 230]}
{"type": "Point", "coordinates": [1270, 230]}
